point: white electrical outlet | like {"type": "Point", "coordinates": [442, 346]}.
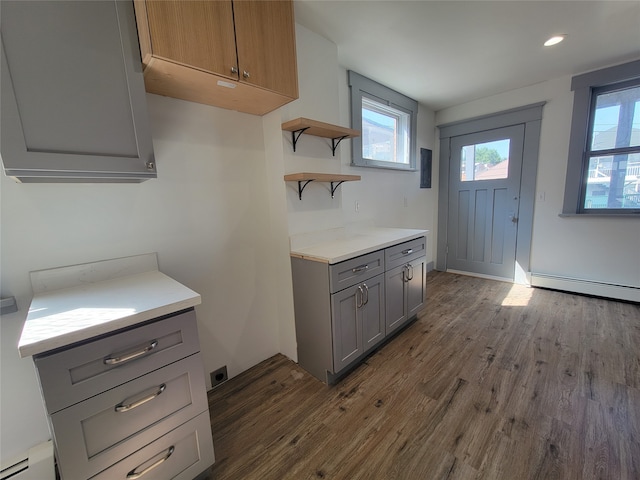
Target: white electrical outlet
{"type": "Point", "coordinates": [357, 206]}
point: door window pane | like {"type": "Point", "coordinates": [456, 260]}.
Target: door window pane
{"type": "Point", "coordinates": [485, 161]}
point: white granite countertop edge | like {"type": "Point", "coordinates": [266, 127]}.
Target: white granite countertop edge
{"type": "Point", "coordinates": [346, 245]}
{"type": "Point", "coordinates": [62, 317]}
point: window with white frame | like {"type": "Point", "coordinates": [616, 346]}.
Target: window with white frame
{"type": "Point", "coordinates": [603, 173]}
{"type": "Point", "coordinates": [387, 121]}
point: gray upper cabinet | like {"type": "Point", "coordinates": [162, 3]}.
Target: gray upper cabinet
{"type": "Point", "coordinates": [73, 101]}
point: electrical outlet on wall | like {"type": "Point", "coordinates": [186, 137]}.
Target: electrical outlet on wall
{"type": "Point", "coordinates": [219, 376]}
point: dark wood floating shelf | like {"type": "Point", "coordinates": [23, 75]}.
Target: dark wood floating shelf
{"type": "Point", "coordinates": [336, 179]}
{"type": "Point", "coordinates": [319, 129]}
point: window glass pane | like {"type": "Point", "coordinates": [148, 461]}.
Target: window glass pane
{"type": "Point", "coordinates": [385, 132]}
{"type": "Point", "coordinates": [616, 121]}
{"type": "Point", "coordinates": [613, 181]}
{"type": "Point", "coordinates": [485, 161]}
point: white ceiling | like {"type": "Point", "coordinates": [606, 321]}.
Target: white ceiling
{"type": "Point", "coordinates": [443, 53]}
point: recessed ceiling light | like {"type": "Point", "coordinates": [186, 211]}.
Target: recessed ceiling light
{"type": "Point", "coordinates": [554, 40]}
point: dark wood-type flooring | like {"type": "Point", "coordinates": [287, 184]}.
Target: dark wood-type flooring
{"type": "Point", "coordinates": [493, 381]}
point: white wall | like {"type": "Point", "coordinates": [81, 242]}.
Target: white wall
{"type": "Point", "coordinates": [205, 215]}
{"type": "Point", "coordinates": [381, 194]}
{"type": "Point", "coordinates": [603, 250]}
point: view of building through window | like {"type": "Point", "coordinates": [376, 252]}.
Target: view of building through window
{"type": "Point", "coordinates": [485, 161]}
{"type": "Point", "coordinates": [385, 132]}
{"type": "Point", "coordinates": [613, 176]}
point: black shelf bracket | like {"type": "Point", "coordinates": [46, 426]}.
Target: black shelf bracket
{"type": "Point", "coordinates": [295, 138]}
{"type": "Point", "coordinates": [335, 144]}
{"type": "Point", "coordinates": [301, 187]}
{"type": "Point", "coordinates": [334, 188]}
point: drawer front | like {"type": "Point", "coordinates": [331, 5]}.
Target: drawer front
{"type": "Point", "coordinates": [93, 434]}
{"type": "Point", "coordinates": [70, 376]}
{"type": "Point", "coordinates": [348, 273]}
{"type": "Point", "coordinates": [405, 252]}
{"type": "Point", "coordinates": [181, 454]}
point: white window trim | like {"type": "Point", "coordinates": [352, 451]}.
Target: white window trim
{"type": "Point", "coordinates": [583, 86]}
{"type": "Point", "coordinates": [363, 87]}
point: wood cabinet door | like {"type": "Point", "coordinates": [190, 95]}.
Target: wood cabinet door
{"type": "Point", "coordinates": [265, 39]}
{"type": "Point", "coordinates": [199, 34]}
{"type": "Point", "coordinates": [373, 313]}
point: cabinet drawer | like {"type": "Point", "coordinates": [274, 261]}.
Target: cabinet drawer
{"type": "Point", "coordinates": [93, 434]}
{"type": "Point", "coordinates": [355, 270]}
{"type": "Point", "coordinates": [404, 252]}
{"type": "Point", "coordinates": [72, 375]}
{"type": "Point", "coordinates": [181, 454]}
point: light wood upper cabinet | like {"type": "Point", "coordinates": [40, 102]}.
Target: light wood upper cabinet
{"type": "Point", "coordinates": [209, 41]}
{"type": "Point", "coordinates": [265, 38]}
{"type": "Point", "coordinates": [236, 54]}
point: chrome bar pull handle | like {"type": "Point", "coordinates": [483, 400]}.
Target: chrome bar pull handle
{"type": "Point", "coordinates": [133, 475]}
{"type": "Point", "coordinates": [361, 268]}
{"type": "Point", "coordinates": [130, 406]}
{"type": "Point", "coordinates": [366, 291]}
{"type": "Point", "coordinates": [408, 251]}
{"type": "Point", "coordinates": [116, 360]}
{"type": "Point", "coordinates": [409, 276]}
{"type": "Point", "coordinates": [359, 302]}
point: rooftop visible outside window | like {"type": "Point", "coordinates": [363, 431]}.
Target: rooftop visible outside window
{"type": "Point", "coordinates": [613, 154]}
{"type": "Point", "coordinates": [485, 161]}
{"type": "Point", "coordinates": [385, 132]}
{"type": "Point", "coordinates": [603, 168]}
{"type": "Point", "coordinates": [387, 120]}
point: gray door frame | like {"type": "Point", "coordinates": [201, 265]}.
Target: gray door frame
{"type": "Point", "coordinates": [531, 117]}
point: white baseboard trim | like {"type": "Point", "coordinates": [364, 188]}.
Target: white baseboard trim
{"type": "Point", "coordinates": [588, 287]}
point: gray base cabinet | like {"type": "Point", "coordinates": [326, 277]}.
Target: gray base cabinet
{"type": "Point", "coordinates": [357, 315]}
{"type": "Point", "coordinates": [406, 289]}
{"type": "Point", "coordinates": [129, 403]}
{"type": "Point", "coordinates": [344, 310]}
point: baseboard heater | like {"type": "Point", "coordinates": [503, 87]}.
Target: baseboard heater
{"type": "Point", "coordinates": [37, 464]}
{"type": "Point", "coordinates": [588, 287]}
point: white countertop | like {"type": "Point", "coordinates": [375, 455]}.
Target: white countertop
{"type": "Point", "coordinates": [98, 305]}
{"type": "Point", "coordinates": [340, 244]}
